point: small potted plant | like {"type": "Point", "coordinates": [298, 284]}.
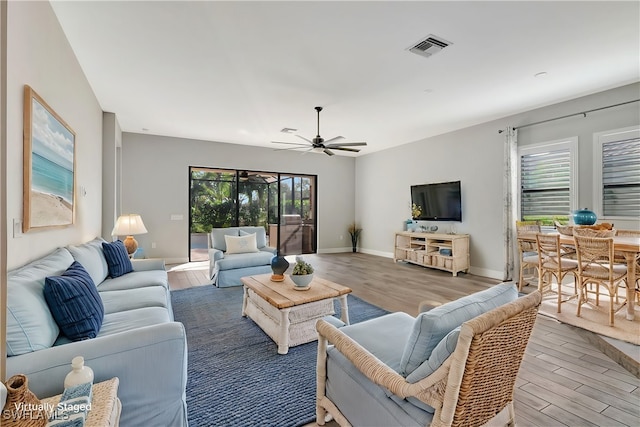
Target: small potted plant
{"type": "Point", "coordinates": [302, 274]}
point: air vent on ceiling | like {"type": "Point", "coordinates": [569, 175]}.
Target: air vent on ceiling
{"type": "Point", "coordinates": [429, 46]}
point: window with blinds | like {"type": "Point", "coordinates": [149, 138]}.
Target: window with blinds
{"type": "Point", "coordinates": [621, 178]}
{"type": "Point", "coordinates": [545, 185]}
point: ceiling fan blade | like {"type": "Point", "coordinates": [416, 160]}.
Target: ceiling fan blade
{"type": "Point", "coordinates": [302, 137]}
{"type": "Point", "coordinates": [354, 150]}
{"type": "Point", "coordinates": [333, 139]}
{"type": "Point", "coordinates": [347, 144]}
{"type": "Point", "coordinates": [302, 147]}
{"type": "Point", "coordinates": [328, 152]}
{"type": "Point", "coordinates": [289, 143]}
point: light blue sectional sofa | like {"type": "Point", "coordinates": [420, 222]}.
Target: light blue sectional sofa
{"type": "Point", "coordinates": [138, 342]}
{"type": "Point", "coordinates": [226, 269]}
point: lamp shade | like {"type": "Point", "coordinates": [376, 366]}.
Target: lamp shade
{"type": "Point", "coordinates": [128, 225]}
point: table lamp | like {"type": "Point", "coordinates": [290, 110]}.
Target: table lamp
{"type": "Point", "coordinates": [128, 225]}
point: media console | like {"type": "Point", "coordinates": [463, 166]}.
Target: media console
{"type": "Point", "coordinates": [449, 252]}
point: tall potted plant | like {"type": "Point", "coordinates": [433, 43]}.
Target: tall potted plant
{"type": "Point", "coordinates": [354, 231]}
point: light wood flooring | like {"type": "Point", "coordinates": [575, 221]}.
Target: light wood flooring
{"type": "Point", "coordinates": [564, 380]}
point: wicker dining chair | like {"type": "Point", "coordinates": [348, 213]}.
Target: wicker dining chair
{"type": "Point", "coordinates": [470, 388]}
{"type": "Point", "coordinates": [527, 250]}
{"type": "Point", "coordinates": [622, 259]}
{"type": "Point", "coordinates": [596, 265]}
{"type": "Point", "coordinates": [554, 262]}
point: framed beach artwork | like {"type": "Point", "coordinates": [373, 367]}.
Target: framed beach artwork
{"type": "Point", "coordinates": [49, 166]}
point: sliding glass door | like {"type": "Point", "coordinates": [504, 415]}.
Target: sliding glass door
{"type": "Point", "coordinates": [285, 204]}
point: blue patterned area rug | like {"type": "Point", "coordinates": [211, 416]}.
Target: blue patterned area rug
{"type": "Point", "coordinates": [235, 375]}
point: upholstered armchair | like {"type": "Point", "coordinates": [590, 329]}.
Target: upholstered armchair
{"type": "Point", "coordinates": [360, 380]}
{"type": "Point", "coordinates": [235, 252]}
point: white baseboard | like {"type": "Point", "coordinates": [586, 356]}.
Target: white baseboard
{"type": "Point", "coordinates": [176, 260]}
{"type": "Point", "coordinates": [376, 253]}
{"type": "Point", "coordinates": [334, 250]}
{"type": "Point", "coordinates": [485, 272]}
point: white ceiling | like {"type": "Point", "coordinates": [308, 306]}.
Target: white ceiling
{"type": "Point", "coordinates": [239, 72]}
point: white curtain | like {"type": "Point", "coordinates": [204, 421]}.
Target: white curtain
{"type": "Point", "coordinates": [510, 198]}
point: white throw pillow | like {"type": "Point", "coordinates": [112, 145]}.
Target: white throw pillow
{"type": "Point", "coordinates": [241, 244]}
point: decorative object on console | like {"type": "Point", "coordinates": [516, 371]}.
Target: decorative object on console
{"type": "Point", "coordinates": [48, 166]}
{"type": "Point", "coordinates": [584, 217]}
{"type": "Point", "coordinates": [129, 225]}
{"type": "Point", "coordinates": [302, 274]}
{"type": "Point", "coordinates": [416, 211]}
{"type": "Point", "coordinates": [354, 231]}
{"type": "Point", "coordinates": [279, 265]}
{"type": "Point", "coordinates": [23, 408]}
{"type": "Point", "coordinates": [79, 374]}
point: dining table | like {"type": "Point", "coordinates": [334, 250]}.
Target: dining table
{"type": "Point", "coordinates": [628, 246]}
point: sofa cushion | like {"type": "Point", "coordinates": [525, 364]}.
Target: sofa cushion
{"type": "Point", "coordinates": [91, 256]}
{"type": "Point", "coordinates": [234, 261]}
{"type": "Point", "coordinates": [127, 321]}
{"type": "Point", "coordinates": [217, 237]}
{"type": "Point", "coordinates": [432, 326]}
{"type": "Point", "coordinates": [384, 336]}
{"type": "Point", "coordinates": [260, 232]}
{"type": "Point", "coordinates": [443, 350]}
{"type": "Point", "coordinates": [241, 244]}
{"type": "Point", "coordinates": [74, 302]}
{"type": "Point", "coordinates": [30, 324]}
{"type": "Point", "coordinates": [130, 299]}
{"type": "Point", "coordinates": [134, 280]}
{"type": "Point", "coordinates": [117, 258]}
{"type": "Point", "coordinates": [124, 321]}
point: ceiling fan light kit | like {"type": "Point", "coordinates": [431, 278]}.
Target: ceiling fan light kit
{"type": "Point", "coordinates": [319, 144]}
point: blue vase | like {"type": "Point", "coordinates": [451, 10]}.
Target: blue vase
{"type": "Point", "coordinates": [278, 265]}
{"type": "Point", "coordinates": [584, 217]}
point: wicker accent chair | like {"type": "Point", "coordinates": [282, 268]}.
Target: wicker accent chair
{"type": "Point", "coordinates": [596, 265]}
{"type": "Point", "coordinates": [474, 385]}
{"type": "Point", "coordinates": [555, 261]}
{"type": "Point", "coordinates": [527, 250]}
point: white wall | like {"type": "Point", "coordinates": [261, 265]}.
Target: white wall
{"type": "Point", "coordinates": [39, 55]}
{"type": "Point", "coordinates": [475, 157]}
{"type": "Point", "coordinates": [584, 128]}
{"type": "Point", "coordinates": [155, 181]}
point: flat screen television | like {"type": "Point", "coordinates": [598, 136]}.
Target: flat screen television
{"type": "Point", "coordinates": [438, 202]}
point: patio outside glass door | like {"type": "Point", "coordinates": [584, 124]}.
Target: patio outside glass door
{"type": "Point", "coordinates": [228, 197]}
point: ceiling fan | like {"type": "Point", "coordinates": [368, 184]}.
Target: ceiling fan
{"type": "Point", "coordinates": [319, 144]}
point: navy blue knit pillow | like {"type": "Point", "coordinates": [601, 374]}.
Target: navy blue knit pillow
{"type": "Point", "coordinates": [74, 302]}
{"type": "Point", "coordinates": [117, 258]}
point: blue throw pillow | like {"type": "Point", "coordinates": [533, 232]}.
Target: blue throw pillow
{"type": "Point", "coordinates": [117, 258]}
{"type": "Point", "coordinates": [74, 302]}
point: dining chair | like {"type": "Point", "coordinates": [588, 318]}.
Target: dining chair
{"type": "Point", "coordinates": [596, 265]}
{"type": "Point", "coordinates": [588, 232]}
{"type": "Point", "coordinates": [527, 250]}
{"type": "Point", "coordinates": [554, 261]}
{"type": "Point", "coordinates": [621, 258]}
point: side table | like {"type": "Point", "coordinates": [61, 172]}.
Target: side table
{"type": "Point", "coordinates": [105, 405]}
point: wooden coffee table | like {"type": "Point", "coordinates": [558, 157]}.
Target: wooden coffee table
{"type": "Point", "coordinates": [287, 315]}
